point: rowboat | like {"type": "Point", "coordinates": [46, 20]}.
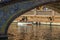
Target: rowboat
{"type": "Point", "coordinates": [24, 23]}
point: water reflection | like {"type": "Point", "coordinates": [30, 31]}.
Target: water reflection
{"type": "Point", "coordinates": [34, 32]}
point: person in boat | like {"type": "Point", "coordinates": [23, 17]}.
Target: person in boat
{"type": "Point", "coordinates": [23, 18]}
{"type": "Point", "coordinates": [50, 18]}
{"type": "Point", "coordinates": [36, 23]}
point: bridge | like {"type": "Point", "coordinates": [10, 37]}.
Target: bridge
{"type": "Point", "coordinates": [11, 9]}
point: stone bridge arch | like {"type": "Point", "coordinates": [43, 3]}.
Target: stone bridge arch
{"type": "Point", "coordinates": [9, 12]}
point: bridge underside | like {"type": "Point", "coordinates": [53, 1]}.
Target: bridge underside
{"type": "Point", "coordinates": [54, 6]}
{"type": "Point", "coordinates": [8, 12]}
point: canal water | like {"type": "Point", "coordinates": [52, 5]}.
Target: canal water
{"type": "Point", "coordinates": [34, 32]}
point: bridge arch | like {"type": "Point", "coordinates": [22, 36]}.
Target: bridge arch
{"type": "Point", "coordinates": [10, 12]}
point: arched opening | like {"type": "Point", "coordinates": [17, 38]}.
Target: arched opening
{"type": "Point", "coordinates": [15, 15]}
{"type": "Point", "coordinates": [36, 31]}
